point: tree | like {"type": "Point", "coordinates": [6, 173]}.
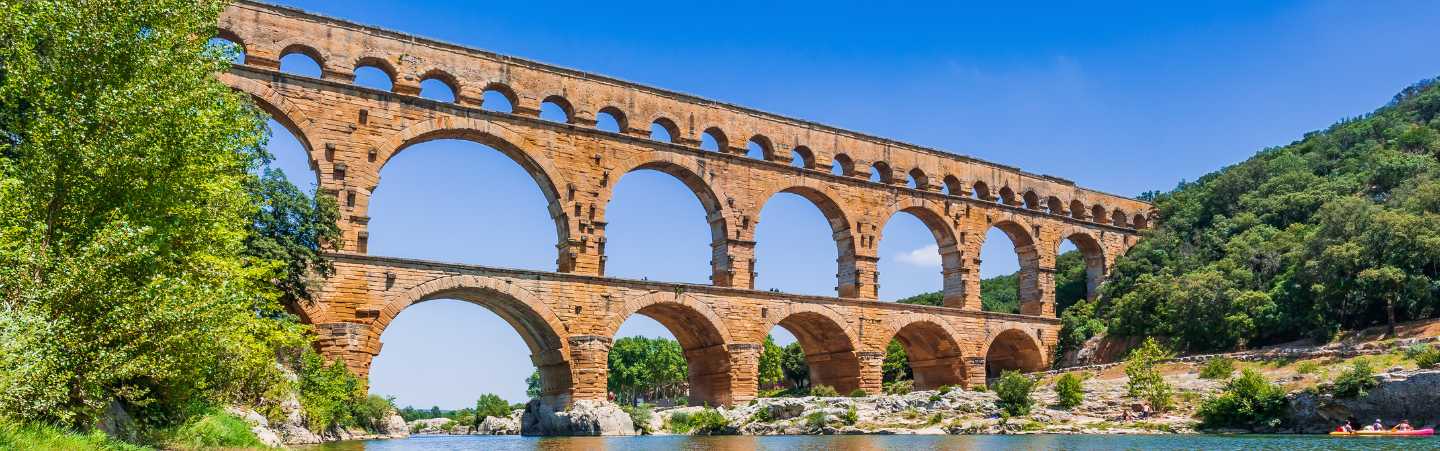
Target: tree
{"type": "Point", "coordinates": [124, 164]}
{"type": "Point", "coordinates": [1145, 379]}
{"type": "Point", "coordinates": [532, 385]}
{"type": "Point", "coordinates": [1014, 391]}
{"type": "Point", "coordinates": [896, 365]}
{"type": "Point", "coordinates": [291, 227]}
{"type": "Point", "coordinates": [490, 405]}
{"type": "Point", "coordinates": [794, 365]}
{"type": "Point", "coordinates": [1249, 401]}
{"type": "Point", "coordinates": [435, 412]}
{"type": "Point", "coordinates": [770, 372]}
{"type": "Point", "coordinates": [1070, 390]}
{"type": "Point", "coordinates": [639, 364]}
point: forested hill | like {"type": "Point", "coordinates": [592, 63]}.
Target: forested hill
{"type": "Point", "coordinates": [1338, 230]}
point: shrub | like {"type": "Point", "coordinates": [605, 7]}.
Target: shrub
{"type": "Point", "coordinates": [1249, 401]}
{"type": "Point", "coordinates": [682, 401]}
{"type": "Point", "coordinates": [1355, 381]}
{"type": "Point", "coordinates": [1218, 368]}
{"type": "Point", "coordinates": [1307, 367]}
{"type": "Point", "coordinates": [981, 388]}
{"type": "Point", "coordinates": [816, 418]}
{"type": "Point", "coordinates": [709, 421]}
{"type": "Point", "coordinates": [823, 391]}
{"type": "Point", "coordinates": [1014, 391]}
{"type": "Point", "coordinates": [851, 416]}
{"type": "Point", "coordinates": [945, 389]}
{"type": "Point", "coordinates": [763, 415]}
{"type": "Point", "coordinates": [1145, 379]}
{"type": "Point", "coordinates": [1070, 391]}
{"type": "Point", "coordinates": [1423, 354]}
{"type": "Point", "coordinates": [934, 398]}
{"type": "Point", "coordinates": [490, 405]}
{"type": "Point", "coordinates": [859, 393]}
{"type": "Point", "coordinates": [640, 415]}
{"type": "Point", "coordinates": [680, 422]}
{"type": "Point", "coordinates": [902, 387]}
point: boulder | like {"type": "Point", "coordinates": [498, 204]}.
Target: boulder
{"type": "Point", "coordinates": [1400, 397]}
{"type": "Point", "coordinates": [585, 418]}
{"type": "Point", "coordinates": [786, 408]}
{"type": "Point", "coordinates": [499, 426]}
{"type": "Point", "coordinates": [259, 425]}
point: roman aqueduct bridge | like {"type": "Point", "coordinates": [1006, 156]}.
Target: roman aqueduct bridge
{"type": "Point", "coordinates": [569, 318]}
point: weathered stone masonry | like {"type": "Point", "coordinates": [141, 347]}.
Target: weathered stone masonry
{"type": "Point", "coordinates": [569, 318]}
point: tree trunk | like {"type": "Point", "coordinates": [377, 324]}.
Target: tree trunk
{"type": "Point", "coordinates": [1390, 312]}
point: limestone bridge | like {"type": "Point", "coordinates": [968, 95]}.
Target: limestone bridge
{"type": "Point", "coordinates": [568, 318]}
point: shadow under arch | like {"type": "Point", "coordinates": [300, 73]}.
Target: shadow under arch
{"type": "Point", "coordinates": [933, 347]}
{"type": "Point", "coordinates": [285, 113]}
{"type": "Point", "coordinates": [1013, 348]}
{"type": "Point", "coordinates": [702, 335]}
{"type": "Point", "coordinates": [829, 343]}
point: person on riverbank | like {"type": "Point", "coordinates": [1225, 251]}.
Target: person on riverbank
{"type": "Point", "coordinates": [1145, 411]}
{"type": "Point", "coordinates": [1125, 415]}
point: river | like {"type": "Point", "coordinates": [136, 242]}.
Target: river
{"type": "Point", "coordinates": [890, 442]}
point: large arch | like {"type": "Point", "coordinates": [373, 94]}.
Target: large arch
{"type": "Point", "coordinates": [931, 214]}
{"type": "Point", "coordinates": [688, 170]}
{"type": "Point", "coordinates": [823, 197]}
{"type": "Point", "coordinates": [701, 333]}
{"type": "Point", "coordinates": [827, 339]}
{"type": "Point", "coordinates": [536, 323]}
{"type": "Point", "coordinates": [1096, 262]}
{"type": "Point", "coordinates": [933, 347]}
{"type": "Point", "coordinates": [284, 112]}
{"type": "Point", "coordinates": [1012, 347]}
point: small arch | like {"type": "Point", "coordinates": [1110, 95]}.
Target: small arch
{"type": "Point", "coordinates": [917, 179]}
{"type": "Point", "coordinates": [498, 97]}
{"type": "Point", "coordinates": [760, 148]}
{"type": "Point", "coordinates": [802, 157]}
{"type": "Point", "coordinates": [842, 165]}
{"type": "Point", "coordinates": [1007, 196]}
{"type": "Point", "coordinates": [880, 172]}
{"type": "Point", "coordinates": [1097, 214]}
{"type": "Point", "coordinates": [664, 130]}
{"type": "Point", "coordinates": [374, 78]}
{"type": "Point", "coordinates": [556, 108]}
{"type": "Point", "coordinates": [952, 187]}
{"type": "Point", "coordinates": [1077, 210]}
{"type": "Point", "coordinates": [1013, 350]}
{"type": "Point", "coordinates": [615, 116]}
{"type": "Point", "coordinates": [1140, 222]}
{"type": "Point", "coordinates": [1032, 200]}
{"type": "Point", "coordinates": [303, 49]}
{"type": "Point", "coordinates": [435, 81]}
{"type": "Point", "coordinates": [981, 190]}
{"type": "Point", "coordinates": [933, 347]}
{"type": "Point", "coordinates": [376, 63]}
{"type": "Point", "coordinates": [301, 64]}
{"type": "Point", "coordinates": [1054, 206]}
{"type": "Point", "coordinates": [714, 139]}
{"type": "Point", "coordinates": [1117, 218]}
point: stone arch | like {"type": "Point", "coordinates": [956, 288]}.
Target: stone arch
{"type": "Point", "coordinates": [1007, 196]}
{"type": "Point", "coordinates": [929, 213]}
{"type": "Point", "coordinates": [1078, 210]}
{"type": "Point", "coordinates": [1031, 200]}
{"type": "Point", "coordinates": [564, 104]}
{"type": "Point", "coordinates": [305, 47]}
{"type": "Point", "coordinates": [435, 73]}
{"type": "Point", "coordinates": [1140, 222]}
{"type": "Point", "coordinates": [847, 165]}
{"type": "Point", "coordinates": [1096, 262]}
{"type": "Point", "coordinates": [231, 35]}
{"type": "Point", "coordinates": [284, 112]}
{"type": "Point", "coordinates": [767, 148]}
{"type": "Point", "coordinates": [689, 170]}
{"type": "Point", "coordinates": [668, 123]}
{"type": "Point", "coordinates": [953, 186]}
{"type": "Point", "coordinates": [1054, 206]}
{"type": "Point", "coordinates": [702, 334]}
{"type": "Point", "coordinates": [1098, 214]}
{"type": "Point", "coordinates": [933, 346]}
{"type": "Point", "coordinates": [887, 176]}
{"type": "Point", "coordinates": [1015, 347]}
{"type": "Point", "coordinates": [806, 156]}
{"type": "Point", "coordinates": [827, 339]}
{"type": "Point", "coordinates": [536, 323]}
{"type": "Point", "coordinates": [1117, 218]}
{"type": "Point", "coordinates": [378, 61]}
{"type": "Point", "coordinates": [504, 90]}
{"type": "Point", "coordinates": [722, 141]}
{"type": "Point", "coordinates": [824, 197]}
{"type": "Point", "coordinates": [982, 191]}
{"type": "Point", "coordinates": [922, 182]}
{"type": "Point", "coordinates": [621, 120]}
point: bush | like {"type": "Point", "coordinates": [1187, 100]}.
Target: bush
{"type": "Point", "coordinates": [1145, 379]}
{"type": "Point", "coordinates": [214, 429]}
{"type": "Point", "coordinates": [1070, 390]}
{"type": "Point", "coordinates": [945, 389]}
{"type": "Point", "coordinates": [859, 393]}
{"type": "Point", "coordinates": [1247, 402]}
{"type": "Point", "coordinates": [1355, 381]}
{"type": "Point", "coordinates": [823, 391]}
{"type": "Point", "coordinates": [1307, 367]}
{"type": "Point", "coordinates": [981, 388]}
{"type": "Point", "coordinates": [816, 418]}
{"type": "Point", "coordinates": [682, 401]}
{"type": "Point", "coordinates": [1423, 354]}
{"type": "Point", "coordinates": [641, 415]}
{"type": "Point", "coordinates": [934, 398]}
{"type": "Point", "coordinates": [709, 421]}
{"type": "Point", "coordinates": [1218, 368]}
{"type": "Point", "coordinates": [851, 416]}
{"type": "Point", "coordinates": [680, 422]}
{"type": "Point", "coordinates": [1014, 391]}
{"type": "Point", "coordinates": [42, 437]}
{"type": "Point", "coordinates": [902, 387]}
{"type": "Point", "coordinates": [763, 415]}
{"type": "Point", "coordinates": [490, 405]}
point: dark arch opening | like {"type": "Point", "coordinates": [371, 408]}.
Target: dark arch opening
{"type": "Point", "coordinates": [1077, 210]}
{"type": "Point", "coordinates": [935, 359]}
{"type": "Point", "coordinates": [1013, 350]}
{"type": "Point", "coordinates": [611, 119]}
{"type": "Point", "coordinates": [664, 130]}
{"type": "Point", "coordinates": [802, 157]}
{"type": "Point", "coordinates": [1007, 196]}
{"type": "Point", "coordinates": [1079, 269]}
{"type": "Point", "coordinates": [760, 148]}
{"type": "Point", "coordinates": [1117, 218]}
{"type": "Point", "coordinates": [951, 187]}
{"type": "Point", "coordinates": [1032, 201]}
{"type": "Point", "coordinates": [825, 349]}
{"type": "Point", "coordinates": [880, 172]}
{"type": "Point", "coordinates": [714, 139]}
{"type": "Point", "coordinates": [982, 191]}
{"type": "Point", "coordinates": [1098, 215]}
{"type": "Point", "coordinates": [916, 179]}
{"type": "Point", "coordinates": [1054, 206]}
{"type": "Point", "coordinates": [1140, 222]}
{"type": "Point", "coordinates": [556, 109]}
{"type": "Point", "coordinates": [842, 165]}
{"type": "Point", "coordinates": [498, 97]}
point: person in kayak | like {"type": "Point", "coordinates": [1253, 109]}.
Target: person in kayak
{"type": "Point", "coordinates": [1346, 428]}
{"type": "Point", "coordinates": [1404, 426]}
{"type": "Point", "coordinates": [1378, 426]}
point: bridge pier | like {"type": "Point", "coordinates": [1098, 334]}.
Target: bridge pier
{"type": "Point", "coordinates": [858, 277]}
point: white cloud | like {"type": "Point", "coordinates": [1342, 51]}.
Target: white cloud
{"type": "Point", "coordinates": [927, 256]}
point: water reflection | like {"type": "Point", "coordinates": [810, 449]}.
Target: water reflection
{"type": "Point", "coordinates": [892, 442]}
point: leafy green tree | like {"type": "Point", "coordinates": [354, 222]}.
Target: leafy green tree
{"type": "Point", "coordinates": [770, 372]}
{"type": "Point", "coordinates": [1249, 401]}
{"type": "Point", "coordinates": [1070, 390]}
{"type": "Point", "coordinates": [532, 385]}
{"type": "Point", "coordinates": [794, 365]}
{"type": "Point", "coordinates": [124, 212]}
{"type": "Point", "coordinates": [896, 365]}
{"type": "Point", "coordinates": [1217, 368]}
{"type": "Point", "coordinates": [291, 227]}
{"type": "Point", "coordinates": [1356, 381]}
{"type": "Point", "coordinates": [1146, 382]}
{"type": "Point", "coordinates": [490, 405]}
{"type": "Point", "coordinates": [1014, 390]}
{"type": "Point", "coordinates": [639, 364]}
{"type": "Point", "coordinates": [1001, 294]}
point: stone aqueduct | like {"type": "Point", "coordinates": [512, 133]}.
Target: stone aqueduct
{"type": "Point", "coordinates": [568, 318]}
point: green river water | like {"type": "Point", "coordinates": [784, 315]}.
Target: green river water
{"type": "Point", "coordinates": [892, 442]}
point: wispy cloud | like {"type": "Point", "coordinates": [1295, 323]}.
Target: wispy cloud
{"type": "Point", "coordinates": [927, 256]}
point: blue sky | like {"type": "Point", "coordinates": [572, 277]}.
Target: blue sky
{"type": "Point", "coordinates": [1122, 97]}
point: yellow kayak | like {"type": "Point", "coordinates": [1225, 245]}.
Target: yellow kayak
{"type": "Point", "coordinates": [1385, 433]}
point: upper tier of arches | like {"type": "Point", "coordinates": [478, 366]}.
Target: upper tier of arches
{"type": "Point", "coordinates": [268, 33]}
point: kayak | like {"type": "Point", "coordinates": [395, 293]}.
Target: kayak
{"type": "Point", "coordinates": [1386, 433]}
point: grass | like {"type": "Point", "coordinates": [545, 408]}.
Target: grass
{"type": "Point", "coordinates": [213, 430]}
{"type": "Point", "coordinates": [40, 437]}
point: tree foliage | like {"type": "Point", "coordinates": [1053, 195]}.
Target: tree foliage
{"type": "Point", "coordinates": [1070, 390]}
{"type": "Point", "coordinates": [640, 365]}
{"type": "Point", "coordinates": [1146, 381]}
{"type": "Point", "coordinates": [490, 405]}
{"type": "Point", "coordinates": [1001, 293]}
{"type": "Point", "coordinates": [1338, 230]}
{"type": "Point", "coordinates": [770, 357]}
{"type": "Point", "coordinates": [124, 210]}
{"type": "Point", "coordinates": [794, 365]}
{"type": "Point", "coordinates": [896, 365]}
{"type": "Point", "coordinates": [1014, 391]}
{"type": "Point", "coordinates": [1246, 402]}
